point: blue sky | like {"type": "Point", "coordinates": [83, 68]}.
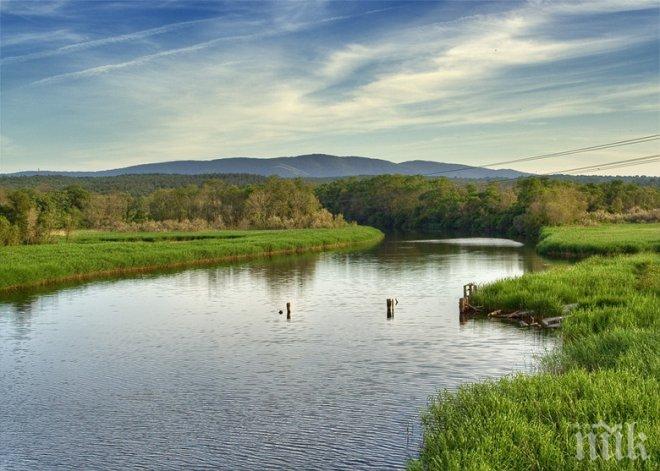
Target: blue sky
{"type": "Point", "coordinates": [103, 84]}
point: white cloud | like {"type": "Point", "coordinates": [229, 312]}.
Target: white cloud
{"type": "Point", "coordinates": [33, 8]}
{"type": "Point", "coordinates": [260, 104]}
{"type": "Point", "coordinates": [594, 6]}
{"type": "Point", "coordinates": [53, 36]}
{"type": "Point", "coordinates": [81, 46]}
{"type": "Point", "coordinates": [261, 33]}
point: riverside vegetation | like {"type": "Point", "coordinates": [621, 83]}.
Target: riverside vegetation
{"type": "Point", "coordinates": [607, 369]}
{"type": "Point", "coordinates": [32, 216]}
{"type": "Point", "coordinates": [92, 254]}
{"type": "Point", "coordinates": [44, 205]}
{"type": "Point", "coordinates": [167, 227]}
{"type": "Point", "coordinates": [512, 209]}
{"type": "Point", "coordinates": [605, 239]}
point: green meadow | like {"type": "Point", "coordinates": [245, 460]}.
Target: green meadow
{"type": "Point", "coordinates": [607, 367]}
{"type": "Point", "coordinates": [87, 253]}
{"type": "Point", "coordinates": [606, 239]}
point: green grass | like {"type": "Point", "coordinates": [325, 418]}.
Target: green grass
{"type": "Point", "coordinates": [606, 239]}
{"type": "Point", "coordinates": [607, 368]}
{"type": "Point", "coordinates": [528, 422]}
{"type": "Point", "coordinates": [88, 254]}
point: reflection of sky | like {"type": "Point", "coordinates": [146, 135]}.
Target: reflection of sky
{"type": "Point", "coordinates": [198, 366]}
{"type": "Point", "coordinates": [91, 85]}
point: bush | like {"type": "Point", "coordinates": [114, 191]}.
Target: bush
{"type": "Point", "coordinates": [9, 234]}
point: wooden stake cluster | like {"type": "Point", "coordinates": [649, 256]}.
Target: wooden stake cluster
{"type": "Point", "coordinates": [464, 306]}
{"type": "Point", "coordinates": [469, 290]}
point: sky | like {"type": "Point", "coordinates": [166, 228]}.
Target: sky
{"type": "Point", "coordinates": [90, 85]}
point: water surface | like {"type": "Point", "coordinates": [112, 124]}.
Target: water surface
{"type": "Point", "coordinates": [196, 368]}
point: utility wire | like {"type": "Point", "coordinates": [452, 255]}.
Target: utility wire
{"type": "Point", "coordinates": [609, 145]}
{"type": "Point", "coordinates": [623, 163]}
{"type": "Point", "coordinates": [621, 166]}
{"type": "Point", "coordinates": [592, 168]}
{"type": "Point", "coordinates": [637, 161]}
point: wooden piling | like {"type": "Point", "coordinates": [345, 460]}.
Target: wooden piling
{"type": "Point", "coordinates": [469, 290]}
{"type": "Point", "coordinates": [390, 308]}
{"type": "Point", "coordinates": [288, 310]}
{"type": "Point", "coordinates": [464, 302]}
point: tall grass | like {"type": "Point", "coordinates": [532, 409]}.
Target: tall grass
{"type": "Point", "coordinates": [89, 254]}
{"type": "Point", "coordinates": [608, 368]}
{"type": "Point", "coordinates": [606, 239]}
{"type": "Point", "coordinates": [529, 422]}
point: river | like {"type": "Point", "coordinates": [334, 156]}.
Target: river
{"type": "Point", "coordinates": [196, 368]}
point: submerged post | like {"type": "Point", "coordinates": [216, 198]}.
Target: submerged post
{"type": "Point", "coordinates": [288, 310]}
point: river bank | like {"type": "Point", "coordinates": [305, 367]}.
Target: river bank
{"type": "Point", "coordinates": [606, 370]}
{"type": "Point", "coordinates": [90, 254]}
{"type": "Point", "coordinates": [606, 239]}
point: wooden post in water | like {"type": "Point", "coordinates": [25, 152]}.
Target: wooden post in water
{"type": "Point", "coordinates": [464, 302]}
{"type": "Point", "coordinates": [469, 290]}
{"type": "Point", "coordinates": [390, 308]}
{"type": "Point", "coordinates": [288, 310]}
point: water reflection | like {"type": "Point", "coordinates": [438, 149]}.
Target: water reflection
{"type": "Point", "coordinates": [195, 368]}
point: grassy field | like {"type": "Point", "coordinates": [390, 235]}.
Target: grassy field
{"type": "Point", "coordinates": [88, 254]}
{"type": "Point", "coordinates": [608, 368]}
{"type": "Point", "coordinates": [607, 239]}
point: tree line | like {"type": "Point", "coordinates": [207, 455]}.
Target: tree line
{"type": "Point", "coordinates": [514, 209]}
{"type": "Point", "coordinates": [144, 184]}
{"type": "Point", "coordinates": [133, 184]}
{"type": "Point", "coordinates": [391, 202]}
{"type": "Point", "coordinates": [29, 215]}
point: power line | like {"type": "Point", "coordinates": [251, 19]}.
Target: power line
{"type": "Point", "coordinates": [618, 164]}
{"type": "Point", "coordinates": [592, 168]}
{"type": "Point", "coordinates": [627, 142]}
{"type": "Point", "coordinates": [609, 145]}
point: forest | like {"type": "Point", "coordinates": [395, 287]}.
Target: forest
{"type": "Point", "coordinates": [34, 213]}
{"type": "Point", "coordinates": [513, 209]}
{"type": "Point", "coordinates": [133, 184]}
{"type": "Point", "coordinates": [29, 215]}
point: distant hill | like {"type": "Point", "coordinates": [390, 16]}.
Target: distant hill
{"type": "Point", "coordinates": [308, 166]}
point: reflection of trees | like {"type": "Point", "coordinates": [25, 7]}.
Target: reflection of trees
{"type": "Point", "coordinates": [20, 315]}
{"type": "Point", "coordinates": [20, 305]}
{"type": "Point", "coordinates": [285, 268]}
{"type": "Point", "coordinates": [405, 255]}
{"type": "Point", "coordinates": [280, 273]}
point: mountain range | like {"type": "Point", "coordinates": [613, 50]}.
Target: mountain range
{"type": "Point", "coordinates": [308, 166]}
